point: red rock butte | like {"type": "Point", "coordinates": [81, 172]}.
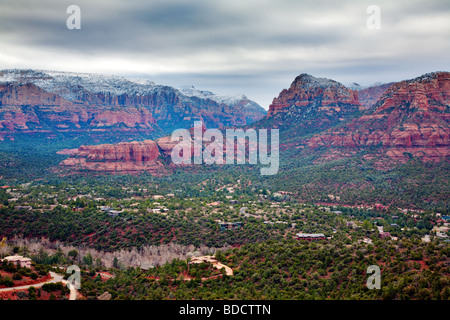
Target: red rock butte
{"type": "Point", "coordinates": [125, 157]}
{"type": "Point", "coordinates": [306, 89]}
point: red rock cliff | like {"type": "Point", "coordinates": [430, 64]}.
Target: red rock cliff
{"type": "Point", "coordinates": [125, 157]}
{"type": "Point", "coordinates": [411, 117]}
{"type": "Point", "coordinates": [307, 90]}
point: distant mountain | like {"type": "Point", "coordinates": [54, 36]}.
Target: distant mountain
{"type": "Point", "coordinates": [97, 108]}
{"type": "Point", "coordinates": [368, 96]}
{"type": "Point", "coordinates": [410, 119]}
{"type": "Point", "coordinates": [251, 109]}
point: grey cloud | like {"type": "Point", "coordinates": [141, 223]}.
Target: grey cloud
{"type": "Point", "coordinates": [254, 47]}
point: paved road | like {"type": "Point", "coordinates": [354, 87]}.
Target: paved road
{"type": "Point", "coordinates": [228, 270]}
{"type": "Point", "coordinates": [55, 278]}
{"type": "Point", "coordinates": [73, 290]}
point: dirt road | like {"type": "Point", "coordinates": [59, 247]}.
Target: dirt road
{"type": "Point", "coordinates": [55, 278]}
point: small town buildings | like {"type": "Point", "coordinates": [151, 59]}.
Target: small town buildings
{"type": "Point", "coordinates": [113, 213]}
{"type": "Point", "coordinates": [23, 207]}
{"type": "Point", "coordinates": [351, 224]}
{"type": "Point", "coordinates": [204, 259]}
{"type": "Point", "coordinates": [310, 236]}
{"type": "Point", "coordinates": [441, 235]}
{"type": "Point", "coordinates": [110, 211]}
{"type": "Point", "coordinates": [230, 225]}
{"type": "Point", "coordinates": [19, 261]}
{"type": "Point", "coordinates": [380, 206]}
{"type": "Point", "coordinates": [146, 266]}
{"type": "Point", "coordinates": [385, 235]}
{"type": "Point", "coordinates": [277, 195]}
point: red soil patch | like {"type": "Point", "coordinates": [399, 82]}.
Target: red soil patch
{"type": "Point", "coordinates": [25, 280]}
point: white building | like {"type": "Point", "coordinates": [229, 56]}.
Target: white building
{"type": "Point", "coordinates": [19, 261]}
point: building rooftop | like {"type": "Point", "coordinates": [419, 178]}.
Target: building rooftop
{"type": "Point", "coordinates": [310, 235]}
{"type": "Point", "coordinates": [15, 258]}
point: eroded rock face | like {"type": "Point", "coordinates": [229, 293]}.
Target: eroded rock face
{"type": "Point", "coordinates": [412, 117]}
{"type": "Point", "coordinates": [127, 157]}
{"type": "Point", "coordinates": [124, 157]}
{"type": "Point", "coordinates": [311, 105]}
{"type": "Point", "coordinates": [154, 157]}
{"type": "Point", "coordinates": [110, 109]}
{"type": "Point", "coordinates": [307, 91]}
{"type": "Point", "coordinates": [28, 109]}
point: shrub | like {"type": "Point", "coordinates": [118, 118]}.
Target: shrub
{"type": "Point", "coordinates": [49, 287]}
{"type": "Point", "coordinates": [17, 276]}
{"type": "Point", "coordinates": [7, 281]}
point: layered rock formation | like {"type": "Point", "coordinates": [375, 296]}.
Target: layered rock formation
{"type": "Point", "coordinates": [124, 157]}
{"type": "Point", "coordinates": [154, 157]}
{"type": "Point", "coordinates": [410, 119]}
{"type": "Point", "coordinates": [106, 108]}
{"type": "Point", "coordinates": [309, 92]}
{"type": "Point", "coordinates": [312, 105]}
{"type": "Point", "coordinates": [26, 108]}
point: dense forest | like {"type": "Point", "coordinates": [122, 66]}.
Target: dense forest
{"type": "Point", "coordinates": [185, 209]}
{"type": "Point", "coordinates": [289, 269]}
{"type": "Point", "coordinates": [410, 185]}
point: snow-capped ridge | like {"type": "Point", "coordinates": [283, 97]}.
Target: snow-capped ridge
{"type": "Point", "coordinates": [64, 83]}
{"type": "Point", "coordinates": [191, 91]}
{"type": "Point", "coordinates": [73, 85]}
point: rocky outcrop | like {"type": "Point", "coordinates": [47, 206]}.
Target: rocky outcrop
{"type": "Point", "coordinates": [410, 119]}
{"type": "Point", "coordinates": [125, 157]}
{"type": "Point", "coordinates": [28, 109]}
{"type": "Point", "coordinates": [311, 105]}
{"type": "Point", "coordinates": [154, 157]}
{"type": "Point", "coordinates": [307, 91]}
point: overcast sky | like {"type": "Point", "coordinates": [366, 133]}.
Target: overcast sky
{"type": "Point", "coordinates": [255, 47]}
